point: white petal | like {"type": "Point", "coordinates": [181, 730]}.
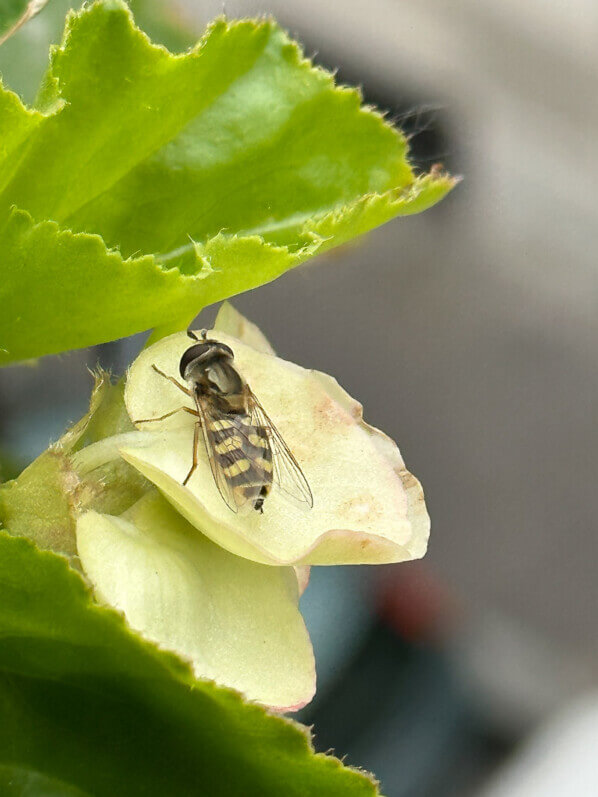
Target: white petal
{"type": "Point", "coordinates": [232, 323]}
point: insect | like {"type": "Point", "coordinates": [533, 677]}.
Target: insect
{"type": "Point", "coordinates": [247, 454]}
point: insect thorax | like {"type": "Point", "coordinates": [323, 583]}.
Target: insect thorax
{"type": "Point", "coordinates": [219, 381]}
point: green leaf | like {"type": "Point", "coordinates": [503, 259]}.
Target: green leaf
{"type": "Point", "coordinates": [158, 184]}
{"type": "Point", "coordinates": [87, 703]}
{"type": "Point", "coordinates": [15, 13]}
{"type": "Point", "coordinates": [16, 782]}
{"type": "Point", "coordinates": [72, 276]}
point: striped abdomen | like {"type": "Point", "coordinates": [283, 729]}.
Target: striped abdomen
{"type": "Point", "coordinates": [243, 456]}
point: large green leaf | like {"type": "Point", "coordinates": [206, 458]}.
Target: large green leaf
{"type": "Point", "coordinates": [86, 705]}
{"type": "Point", "coordinates": [17, 782]}
{"type": "Point", "coordinates": [198, 176]}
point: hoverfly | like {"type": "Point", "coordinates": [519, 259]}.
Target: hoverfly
{"type": "Point", "coordinates": [247, 454]}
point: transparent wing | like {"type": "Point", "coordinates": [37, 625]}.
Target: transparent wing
{"type": "Point", "coordinates": [236, 455]}
{"type": "Point", "coordinates": [208, 419]}
{"type": "Point", "coordinates": [287, 475]}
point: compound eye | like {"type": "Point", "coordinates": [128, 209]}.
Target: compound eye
{"type": "Point", "coordinates": [191, 354]}
{"type": "Point", "coordinates": [182, 366]}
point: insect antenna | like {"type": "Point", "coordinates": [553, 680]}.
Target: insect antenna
{"type": "Point", "coordinates": [193, 336]}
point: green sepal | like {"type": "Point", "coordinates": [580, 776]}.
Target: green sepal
{"type": "Point", "coordinates": [43, 502]}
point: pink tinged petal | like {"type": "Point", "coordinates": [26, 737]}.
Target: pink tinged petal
{"type": "Point", "coordinates": [233, 323]}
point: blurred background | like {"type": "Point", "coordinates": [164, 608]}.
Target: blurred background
{"type": "Point", "coordinates": [469, 334]}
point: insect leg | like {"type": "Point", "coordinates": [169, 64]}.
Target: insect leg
{"type": "Point", "coordinates": [172, 379]}
{"type": "Point", "coordinates": [168, 414]}
{"type": "Point", "coordinates": [195, 442]}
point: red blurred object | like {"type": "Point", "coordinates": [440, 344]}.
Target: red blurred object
{"type": "Point", "coordinates": [414, 602]}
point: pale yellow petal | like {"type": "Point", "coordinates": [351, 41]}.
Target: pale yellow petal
{"type": "Point", "coordinates": [367, 507]}
{"type": "Point", "coordinates": [236, 621]}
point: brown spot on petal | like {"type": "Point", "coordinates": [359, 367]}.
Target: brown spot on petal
{"type": "Point", "coordinates": [357, 411]}
{"type": "Point", "coordinates": [410, 483]}
{"type": "Point", "coordinates": [408, 479]}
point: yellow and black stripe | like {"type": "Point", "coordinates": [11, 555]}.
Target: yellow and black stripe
{"type": "Point", "coordinates": [244, 457]}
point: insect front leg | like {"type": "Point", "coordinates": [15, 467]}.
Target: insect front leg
{"type": "Point", "coordinates": [172, 379]}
